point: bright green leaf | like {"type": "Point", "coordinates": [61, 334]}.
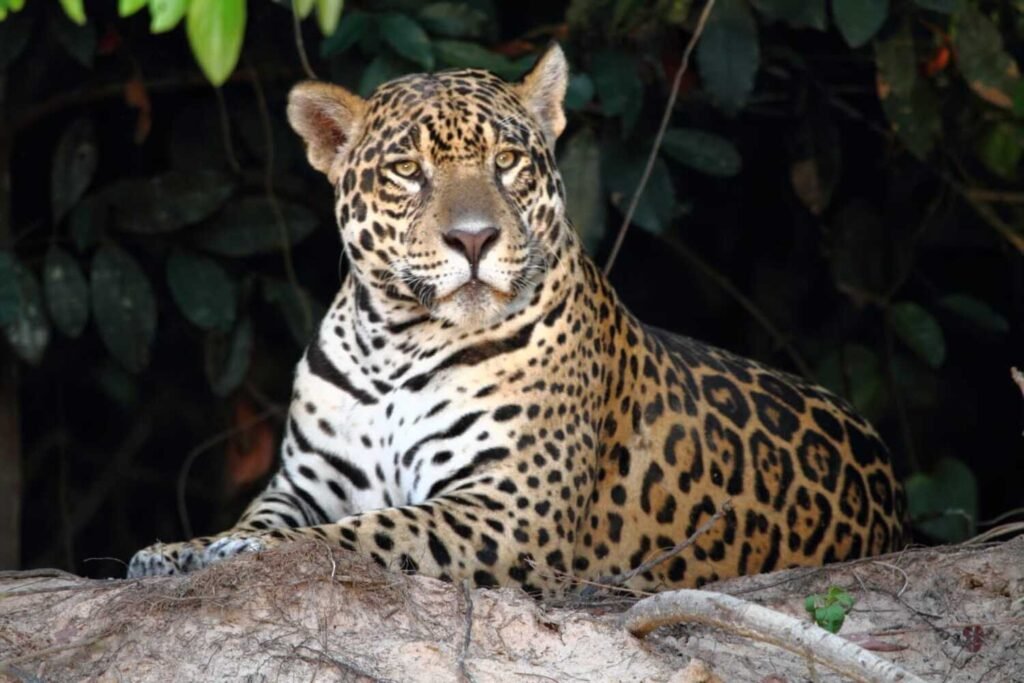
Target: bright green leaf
{"type": "Point", "coordinates": [303, 7]}
{"type": "Point", "coordinates": [74, 163]}
{"type": "Point", "coordinates": [166, 14]}
{"type": "Point", "coordinates": [456, 53]}
{"type": "Point", "coordinates": [123, 306]}
{"type": "Point", "coordinates": [976, 311]}
{"type": "Point", "coordinates": [29, 332]}
{"type": "Point", "coordinates": [126, 8]}
{"type": "Point", "coordinates": [228, 357]}
{"type": "Point", "coordinates": [796, 13]}
{"type": "Point", "coordinates": [252, 226]}
{"type": "Point", "coordinates": [407, 38]}
{"type": "Point", "coordinates": [67, 292]}
{"type": "Point", "coordinates": [10, 297]}
{"type": "Point", "coordinates": [202, 289]}
{"type": "Point", "coordinates": [859, 20]}
{"type": "Point", "coordinates": [580, 167]}
{"type": "Point", "coordinates": [453, 20]}
{"type": "Point", "coordinates": [75, 9]}
{"type": "Point", "coordinates": [622, 166]}
{"type": "Point", "coordinates": [728, 54]}
{"type": "Point", "coordinates": [328, 13]}
{"type": "Point", "coordinates": [215, 31]}
{"type": "Point", "coordinates": [350, 29]}
{"type": "Point", "coordinates": [702, 151]}
{"type": "Point", "coordinates": [166, 202]}
{"type": "Point", "coordinates": [943, 503]}
{"type": "Point", "coordinates": [919, 331]}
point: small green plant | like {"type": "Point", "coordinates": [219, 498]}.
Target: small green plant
{"type": "Point", "coordinates": [830, 609]}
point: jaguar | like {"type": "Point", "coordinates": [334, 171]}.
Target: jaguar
{"type": "Point", "coordinates": [478, 404]}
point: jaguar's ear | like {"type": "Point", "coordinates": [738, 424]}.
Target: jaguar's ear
{"type": "Point", "coordinates": [328, 118]}
{"type": "Point", "coordinates": [543, 91]}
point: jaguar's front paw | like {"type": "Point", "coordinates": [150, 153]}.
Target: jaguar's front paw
{"type": "Point", "coordinates": [164, 560]}
{"type": "Point", "coordinates": [235, 544]}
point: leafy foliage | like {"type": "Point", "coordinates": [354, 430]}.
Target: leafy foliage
{"type": "Point", "coordinates": [830, 609]}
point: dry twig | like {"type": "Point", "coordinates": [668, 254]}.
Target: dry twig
{"type": "Point", "coordinates": [750, 620]}
{"type": "Point", "coordinates": [665, 118]}
{"type": "Point", "coordinates": [625, 577]}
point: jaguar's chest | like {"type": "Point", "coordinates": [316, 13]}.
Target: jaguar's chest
{"type": "Point", "coordinates": [402, 440]}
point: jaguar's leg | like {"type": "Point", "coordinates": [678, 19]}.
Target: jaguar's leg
{"type": "Point", "coordinates": [295, 497]}
{"type": "Point", "coordinates": [485, 532]}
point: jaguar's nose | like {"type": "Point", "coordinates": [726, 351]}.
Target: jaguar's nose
{"type": "Point", "coordinates": [472, 244]}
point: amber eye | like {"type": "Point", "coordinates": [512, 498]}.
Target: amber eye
{"type": "Point", "coordinates": [505, 160]}
{"type": "Point", "coordinates": [406, 169]}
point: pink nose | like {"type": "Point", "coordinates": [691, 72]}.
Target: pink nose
{"type": "Point", "coordinates": [473, 245]}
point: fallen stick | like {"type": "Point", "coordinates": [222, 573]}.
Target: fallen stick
{"type": "Point", "coordinates": [753, 621]}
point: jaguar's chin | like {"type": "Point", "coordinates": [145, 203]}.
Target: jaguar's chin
{"type": "Point", "coordinates": [475, 304]}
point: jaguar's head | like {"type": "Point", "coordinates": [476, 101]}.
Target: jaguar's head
{"type": "Point", "coordinates": [448, 197]}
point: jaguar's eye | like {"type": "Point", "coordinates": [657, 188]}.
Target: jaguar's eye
{"type": "Point", "coordinates": [505, 160]}
{"type": "Point", "coordinates": [406, 169]}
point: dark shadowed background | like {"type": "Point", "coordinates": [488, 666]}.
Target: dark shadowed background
{"type": "Point", "coordinates": [838, 194]}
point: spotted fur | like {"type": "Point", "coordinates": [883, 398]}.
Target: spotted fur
{"type": "Point", "coordinates": [491, 411]}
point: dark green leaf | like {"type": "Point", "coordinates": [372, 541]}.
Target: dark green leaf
{"type": "Point", "coordinates": [407, 38]}
{"type": "Point", "coordinates": [216, 29]}
{"type": "Point", "coordinates": [87, 221]}
{"type": "Point", "coordinates": [622, 166]}
{"type": "Point", "coordinates": [453, 20]}
{"type": "Point", "coordinates": [382, 69]}
{"type": "Point", "coordinates": [859, 20]}
{"type": "Point", "coordinates": [166, 14]}
{"type": "Point", "coordinates": [14, 34]}
{"type": "Point", "coordinates": [862, 253]}
{"type": "Point", "coordinates": [301, 312]}
{"type": "Point", "coordinates": [74, 164]}
{"type": "Point", "coordinates": [580, 92]}
{"type": "Point", "coordinates": [896, 62]}
{"type": "Point", "coordinates": [617, 84]}
{"type": "Point", "coordinates": [252, 225]}
{"type": "Point", "coordinates": [167, 202]}
{"type": "Point", "coordinates": [202, 289]}
{"type": "Point", "coordinates": [78, 39]}
{"type": "Point", "coordinates": [982, 59]}
{"type": "Point", "coordinates": [67, 292]}
{"type": "Point", "coordinates": [702, 151]}
{"type": "Point", "coordinates": [117, 384]}
{"type": "Point", "coordinates": [944, 6]}
{"type": "Point", "coordinates": [796, 13]}
{"type": "Point", "coordinates": [976, 311]}
{"type": "Point", "coordinates": [350, 29]}
{"type": "Point", "coordinates": [123, 306]}
{"type": "Point", "coordinates": [456, 53]}
{"type": "Point", "coordinates": [855, 372]}
{"type": "Point", "coordinates": [728, 54]}
{"type": "Point", "coordinates": [919, 331]}
{"type": "Point", "coordinates": [228, 357]}
{"type": "Point", "coordinates": [126, 8]}
{"type": "Point", "coordinates": [10, 298]}
{"type": "Point", "coordinates": [580, 166]}
{"type": "Point", "coordinates": [29, 332]}
{"type": "Point", "coordinates": [75, 10]}
{"type": "Point", "coordinates": [328, 12]}
{"type": "Point", "coordinates": [944, 502]}
{"type": "Point", "coordinates": [1001, 149]}
{"type": "Point", "coordinates": [908, 101]}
